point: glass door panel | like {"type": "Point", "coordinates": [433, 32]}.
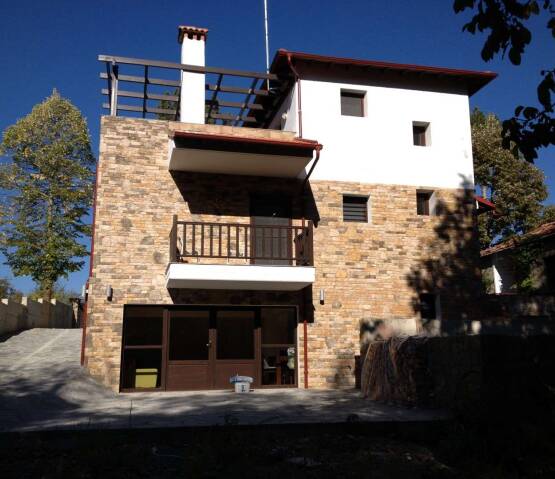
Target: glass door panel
{"type": "Point", "coordinates": [189, 344]}
{"type": "Point", "coordinates": [189, 336]}
{"type": "Point", "coordinates": [235, 346]}
{"type": "Point", "coordinates": [271, 244]}
{"type": "Point", "coordinates": [278, 348]}
{"type": "Point", "coordinates": [142, 348]}
{"type": "Point", "coordinates": [235, 332]}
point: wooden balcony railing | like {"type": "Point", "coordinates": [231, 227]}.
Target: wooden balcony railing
{"type": "Point", "coordinates": [256, 244]}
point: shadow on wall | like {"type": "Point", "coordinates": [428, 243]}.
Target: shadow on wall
{"type": "Point", "coordinates": [448, 274]}
{"type": "Point", "coordinates": [229, 195]}
{"type": "Point", "coordinates": [450, 271]}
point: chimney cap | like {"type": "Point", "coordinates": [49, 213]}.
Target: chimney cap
{"type": "Point", "coordinates": [191, 32]}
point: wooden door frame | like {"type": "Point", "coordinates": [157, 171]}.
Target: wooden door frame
{"type": "Point", "coordinates": [252, 247]}
{"type": "Point", "coordinates": [166, 354]}
{"type": "Point", "coordinates": [212, 309]}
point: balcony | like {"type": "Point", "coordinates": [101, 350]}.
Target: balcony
{"type": "Point", "coordinates": [241, 154]}
{"type": "Point", "coordinates": [240, 256]}
{"type": "Point", "coordinates": [152, 89]}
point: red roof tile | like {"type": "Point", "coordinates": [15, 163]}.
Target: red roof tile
{"type": "Point", "coordinates": [543, 231]}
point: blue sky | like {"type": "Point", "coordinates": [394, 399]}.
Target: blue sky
{"type": "Point", "coordinates": [55, 43]}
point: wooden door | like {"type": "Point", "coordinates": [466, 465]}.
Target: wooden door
{"type": "Point", "coordinates": [236, 347]}
{"type": "Point", "coordinates": [270, 241]}
{"type": "Point", "coordinates": [189, 350]}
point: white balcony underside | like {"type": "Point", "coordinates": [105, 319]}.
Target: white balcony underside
{"type": "Point", "coordinates": [237, 163]}
{"type": "Point", "coordinates": [248, 277]}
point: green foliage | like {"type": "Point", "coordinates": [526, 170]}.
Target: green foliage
{"type": "Point", "coordinates": [172, 105]}
{"type": "Point", "coordinates": [487, 280]}
{"type": "Point", "coordinates": [59, 292]}
{"type": "Point", "coordinates": [46, 191]}
{"type": "Point", "coordinates": [530, 128]}
{"type": "Point", "coordinates": [525, 258]}
{"type": "Point", "coordinates": [167, 105]}
{"type": "Point", "coordinates": [8, 291]}
{"type": "Point", "coordinates": [548, 215]}
{"type": "Point", "coordinates": [516, 187]}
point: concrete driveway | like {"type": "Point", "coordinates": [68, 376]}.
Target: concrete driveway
{"type": "Point", "coordinates": [42, 386]}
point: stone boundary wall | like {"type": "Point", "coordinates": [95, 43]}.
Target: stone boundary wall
{"type": "Point", "coordinates": [503, 375]}
{"type": "Point", "coordinates": [27, 314]}
{"type": "Point", "coordinates": [505, 314]}
{"type": "Point", "coordinates": [518, 306]}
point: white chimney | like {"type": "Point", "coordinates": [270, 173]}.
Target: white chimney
{"type": "Point", "coordinates": [191, 108]}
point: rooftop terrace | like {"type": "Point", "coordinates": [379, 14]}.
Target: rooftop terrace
{"type": "Point", "coordinates": [152, 89]}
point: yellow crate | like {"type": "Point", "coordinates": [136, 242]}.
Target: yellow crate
{"type": "Point", "coordinates": [146, 378]}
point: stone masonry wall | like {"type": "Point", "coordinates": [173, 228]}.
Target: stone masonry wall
{"type": "Point", "coordinates": [370, 272]}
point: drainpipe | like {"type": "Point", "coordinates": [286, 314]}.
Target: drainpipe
{"type": "Point", "coordinates": [86, 307]}
{"type": "Point", "coordinates": [298, 79]}
{"type": "Point", "coordinates": [318, 148]}
{"type": "Point", "coordinates": [305, 341]}
{"type": "Point", "coordinates": [305, 326]}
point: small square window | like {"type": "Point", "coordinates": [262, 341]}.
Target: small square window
{"type": "Point", "coordinates": [424, 203]}
{"type": "Point", "coordinates": [355, 208]}
{"type": "Point", "coordinates": [421, 133]}
{"type": "Point", "coordinates": [352, 103]}
{"type": "Point", "coordinates": [429, 306]}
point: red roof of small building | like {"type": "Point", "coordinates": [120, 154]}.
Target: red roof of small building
{"type": "Point", "coordinates": [541, 232]}
{"type": "Point", "coordinates": [484, 203]}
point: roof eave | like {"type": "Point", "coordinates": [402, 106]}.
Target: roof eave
{"type": "Point", "coordinates": [474, 80]}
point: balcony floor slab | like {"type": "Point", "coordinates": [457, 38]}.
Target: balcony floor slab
{"type": "Point", "coordinates": [239, 277]}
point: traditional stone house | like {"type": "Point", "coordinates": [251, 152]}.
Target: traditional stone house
{"type": "Point", "coordinates": [268, 236]}
{"type": "Point", "coordinates": [500, 262]}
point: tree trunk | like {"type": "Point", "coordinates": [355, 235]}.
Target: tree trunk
{"type": "Point", "coordinates": [47, 289]}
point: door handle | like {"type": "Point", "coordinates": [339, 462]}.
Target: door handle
{"type": "Point", "coordinates": [208, 344]}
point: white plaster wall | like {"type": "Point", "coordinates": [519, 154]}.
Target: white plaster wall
{"type": "Point", "coordinates": [378, 148]}
{"type": "Point", "coordinates": [289, 107]}
{"type": "Point", "coordinates": [192, 84]}
{"type": "Point", "coordinates": [503, 274]}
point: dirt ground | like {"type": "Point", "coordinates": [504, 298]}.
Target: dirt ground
{"type": "Point", "coordinates": [232, 451]}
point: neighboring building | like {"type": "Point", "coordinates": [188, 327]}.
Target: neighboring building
{"type": "Point", "coordinates": [500, 262]}
{"type": "Point", "coordinates": [267, 235]}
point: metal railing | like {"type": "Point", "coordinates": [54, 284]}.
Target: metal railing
{"type": "Point", "coordinates": [246, 100]}
{"type": "Point", "coordinates": [256, 244]}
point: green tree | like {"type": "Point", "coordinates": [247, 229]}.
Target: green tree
{"type": "Point", "coordinates": [173, 105]}
{"type": "Point", "coordinates": [59, 292]}
{"type": "Point", "coordinates": [46, 189]}
{"type": "Point", "coordinates": [548, 215]}
{"type": "Point", "coordinates": [516, 187]}
{"type": "Point", "coordinates": [8, 291]}
{"type": "Point", "coordinates": [505, 21]}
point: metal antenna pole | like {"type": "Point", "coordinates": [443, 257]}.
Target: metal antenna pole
{"type": "Point", "coordinates": [267, 47]}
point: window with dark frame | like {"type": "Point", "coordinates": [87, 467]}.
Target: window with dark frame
{"type": "Point", "coordinates": [423, 202]}
{"type": "Point", "coordinates": [420, 134]}
{"type": "Point", "coordinates": [428, 306]}
{"type": "Point", "coordinates": [352, 103]}
{"type": "Point", "coordinates": [355, 208]}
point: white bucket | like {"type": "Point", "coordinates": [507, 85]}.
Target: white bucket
{"type": "Point", "coordinates": [241, 387]}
